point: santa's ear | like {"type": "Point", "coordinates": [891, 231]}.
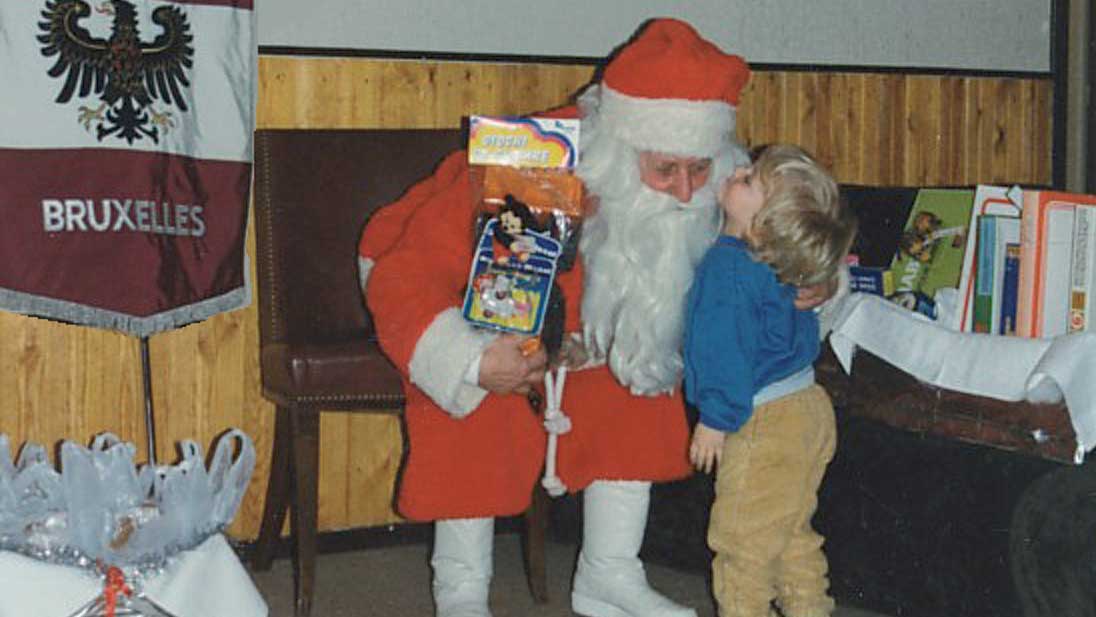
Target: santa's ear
{"type": "Point", "coordinates": [725, 162]}
{"type": "Point", "coordinates": [724, 184]}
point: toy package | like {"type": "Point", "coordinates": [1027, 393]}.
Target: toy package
{"type": "Point", "coordinates": [529, 206]}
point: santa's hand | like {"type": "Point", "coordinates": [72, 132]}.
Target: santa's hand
{"type": "Point", "coordinates": [572, 352]}
{"type": "Point", "coordinates": [506, 367]}
{"type": "Point", "coordinates": [706, 448]}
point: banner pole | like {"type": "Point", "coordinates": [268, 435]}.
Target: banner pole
{"type": "Point", "coordinates": [150, 420]}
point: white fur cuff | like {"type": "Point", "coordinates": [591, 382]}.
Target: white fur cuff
{"type": "Point", "coordinates": [441, 359]}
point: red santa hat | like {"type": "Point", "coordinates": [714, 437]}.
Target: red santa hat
{"type": "Point", "coordinates": [671, 91]}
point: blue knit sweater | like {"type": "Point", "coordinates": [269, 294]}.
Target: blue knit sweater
{"type": "Point", "coordinates": [742, 333]}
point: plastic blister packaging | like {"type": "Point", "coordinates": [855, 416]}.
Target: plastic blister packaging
{"type": "Point", "coordinates": [553, 197]}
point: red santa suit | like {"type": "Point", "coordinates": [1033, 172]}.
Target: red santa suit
{"type": "Point", "coordinates": [485, 463]}
{"type": "Point", "coordinates": [478, 454]}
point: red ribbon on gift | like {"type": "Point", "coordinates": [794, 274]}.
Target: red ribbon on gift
{"type": "Point", "coordinates": [115, 586]}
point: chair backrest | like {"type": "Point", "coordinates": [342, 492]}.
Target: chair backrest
{"type": "Point", "coordinates": [314, 190]}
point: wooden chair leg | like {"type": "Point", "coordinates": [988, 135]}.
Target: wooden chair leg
{"type": "Point", "coordinates": [536, 529]}
{"type": "Point", "coordinates": [306, 464]}
{"type": "Point", "coordinates": [277, 493]}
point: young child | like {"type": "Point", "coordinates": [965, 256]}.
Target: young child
{"type": "Point", "coordinates": [749, 357]}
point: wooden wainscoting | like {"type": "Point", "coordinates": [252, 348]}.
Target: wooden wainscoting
{"type": "Point", "coordinates": [66, 382]}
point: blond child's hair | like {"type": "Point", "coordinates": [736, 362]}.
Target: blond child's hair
{"type": "Point", "coordinates": [803, 230]}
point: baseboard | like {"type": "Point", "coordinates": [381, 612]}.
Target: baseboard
{"type": "Point", "coordinates": [363, 538]}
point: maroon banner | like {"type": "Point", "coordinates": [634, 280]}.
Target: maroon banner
{"type": "Point", "coordinates": [125, 160]}
{"type": "Point", "coordinates": [137, 241]}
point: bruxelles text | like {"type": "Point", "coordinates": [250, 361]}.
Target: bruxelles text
{"type": "Point", "coordinates": [119, 215]}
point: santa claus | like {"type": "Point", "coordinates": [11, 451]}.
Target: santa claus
{"type": "Point", "coordinates": [655, 131]}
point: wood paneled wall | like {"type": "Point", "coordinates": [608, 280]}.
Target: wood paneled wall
{"type": "Point", "coordinates": [66, 382]}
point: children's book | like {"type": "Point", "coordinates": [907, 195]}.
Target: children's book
{"type": "Point", "coordinates": [988, 200]}
{"type": "Point", "coordinates": [983, 276]}
{"type": "Point", "coordinates": [872, 280]}
{"type": "Point", "coordinates": [1009, 289]}
{"type": "Point", "coordinates": [994, 235]}
{"type": "Point", "coordinates": [1082, 274]}
{"type": "Point", "coordinates": [1046, 253]}
{"type": "Point", "coordinates": [933, 242]}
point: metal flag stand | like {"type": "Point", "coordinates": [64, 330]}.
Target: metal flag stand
{"type": "Point", "coordinates": [150, 417]}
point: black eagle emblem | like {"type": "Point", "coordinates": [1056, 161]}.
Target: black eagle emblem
{"type": "Point", "coordinates": [126, 73]}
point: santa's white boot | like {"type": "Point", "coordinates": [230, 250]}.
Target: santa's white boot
{"type": "Point", "coordinates": [462, 566]}
{"type": "Point", "coordinates": [610, 580]}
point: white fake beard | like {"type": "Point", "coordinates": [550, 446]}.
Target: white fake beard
{"type": "Point", "coordinates": [639, 255]}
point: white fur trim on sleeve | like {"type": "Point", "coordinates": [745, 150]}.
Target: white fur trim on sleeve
{"type": "Point", "coordinates": [365, 266]}
{"type": "Point", "coordinates": [441, 359]}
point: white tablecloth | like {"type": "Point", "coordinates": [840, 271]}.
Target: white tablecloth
{"type": "Point", "coordinates": [208, 581]}
{"type": "Point", "coordinates": [1002, 367]}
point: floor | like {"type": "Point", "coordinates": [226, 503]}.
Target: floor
{"type": "Point", "coordinates": [395, 581]}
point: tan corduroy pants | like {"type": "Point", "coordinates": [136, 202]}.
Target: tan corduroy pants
{"type": "Point", "coordinates": [766, 493]}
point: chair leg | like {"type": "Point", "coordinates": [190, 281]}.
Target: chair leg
{"type": "Point", "coordinates": [277, 493]}
{"type": "Point", "coordinates": [306, 465]}
{"type": "Point", "coordinates": [536, 528]}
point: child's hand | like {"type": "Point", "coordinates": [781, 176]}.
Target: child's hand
{"type": "Point", "coordinates": [706, 448]}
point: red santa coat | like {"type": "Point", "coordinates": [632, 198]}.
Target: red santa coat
{"type": "Point", "coordinates": [486, 463]}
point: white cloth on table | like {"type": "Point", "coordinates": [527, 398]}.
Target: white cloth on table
{"type": "Point", "coordinates": [207, 581]}
{"type": "Point", "coordinates": [1002, 367]}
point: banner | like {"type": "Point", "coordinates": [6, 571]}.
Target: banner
{"type": "Point", "coordinates": [125, 159]}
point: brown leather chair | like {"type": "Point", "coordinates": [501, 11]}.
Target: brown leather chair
{"type": "Point", "coordinates": [314, 190]}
